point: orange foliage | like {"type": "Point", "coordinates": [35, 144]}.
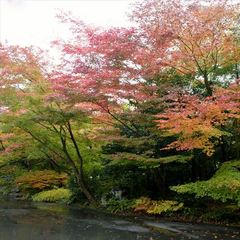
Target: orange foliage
{"type": "Point", "coordinates": [40, 180]}
{"type": "Point", "coordinates": [198, 122]}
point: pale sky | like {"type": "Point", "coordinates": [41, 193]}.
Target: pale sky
{"type": "Point", "coordinates": [33, 22]}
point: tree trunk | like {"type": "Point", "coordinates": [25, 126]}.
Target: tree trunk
{"type": "Point", "coordinates": [237, 71]}
{"type": "Point", "coordinates": [223, 150]}
{"type": "Point", "coordinates": [85, 191]}
{"type": "Point", "coordinates": [78, 172]}
{"type": "Point", "coordinates": [195, 168]}
{"type": "Point", "coordinates": [1, 143]}
{"type": "Point", "coordinates": [207, 85]}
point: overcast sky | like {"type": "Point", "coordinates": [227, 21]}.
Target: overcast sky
{"type": "Point", "coordinates": [33, 22]}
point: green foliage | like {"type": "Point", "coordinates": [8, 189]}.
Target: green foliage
{"type": "Point", "coordinates": [223, 186]}
{"type": "Point", "coordinates": [126, 177]}
{"type": "Point", "coordinates": [146, 162]}
{"type": "Point", "coordinates": [149, 206]}
{"type": "Point", "coordinates": [116, 206]}
{"type": "Point", "coordinates": [225, 213]}
{"type": "Point", "coordinates": [36, 181]}
{"type": "Point", "coordinates": [8, 174]}
{"type": "Point", "coordinates": [60, 195]}
{"type": "Point", "coordinates": [128, 172]}
{"type": "Point", "coordinates": [52, 121]}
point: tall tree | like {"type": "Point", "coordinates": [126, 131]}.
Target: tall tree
{"type": "Point", "coordinates": [195, 37]}
{"type": "Point", "coordinates": [32, 109]}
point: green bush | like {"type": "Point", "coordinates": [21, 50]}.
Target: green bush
{"type": "Point", "coordinates": [149, 206]}
{"type": "Point", "coordinates": [126, 177]}
{"type": "Point", "coordinates": [223, 186]}
{"type": "Point", "coordinates": [218, 215]}
{"type": "Point", "coordinates": [115, 206]}
{"type": "Point", "coordinates": [8, 174]}
{"type": "Point", "coordinates": [60, 195]}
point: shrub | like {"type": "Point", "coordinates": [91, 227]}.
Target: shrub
{"type": "Point", "coordinates": [8, 174]}
{"type": "Point", "coordinates": [223, 186]}
{"type": "Point", "coordinates": [36, 181]}
{"type": "Point", "coordinates": [149, 206]}
{"type": "Point", "coordinates": [60, 195]}
{"type": "Point", "coordinates": [115, 206]}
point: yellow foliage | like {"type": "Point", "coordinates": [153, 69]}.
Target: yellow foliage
{"type": "Point", "coordinates": [149, 206]}
{"type": "Point", "coordinates": [54, 195]}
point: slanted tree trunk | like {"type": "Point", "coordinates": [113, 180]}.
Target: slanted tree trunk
{"type": "Point", "coordinates": [77, 171]}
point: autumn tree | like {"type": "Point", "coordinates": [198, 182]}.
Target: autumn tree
{"type": "Point", "coordinates": [196, 38]}
{"type": "Point", "coordinates": [202, 123]}
{"type": "Point", "coordinates": [198, 41]}
{"type": "Point", "coordinates": [101, 75]}
{"type": "Point", "coordinates": [35, 113]}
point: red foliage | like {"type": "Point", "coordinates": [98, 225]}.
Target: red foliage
{"type": "Point", "coordinates": [100, 68]}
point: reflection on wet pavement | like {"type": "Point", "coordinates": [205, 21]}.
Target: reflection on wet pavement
{"type": "Point", "coordinates": [26, 221]}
